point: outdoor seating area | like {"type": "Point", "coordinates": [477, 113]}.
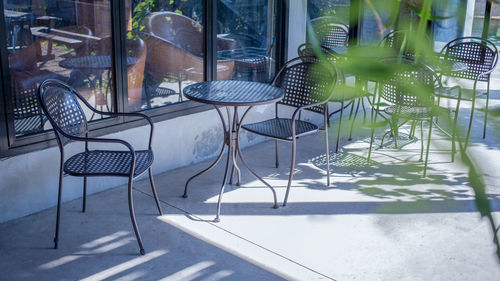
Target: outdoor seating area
{"type": "Point", "coordinates": [251, 140]}
{"type": "Point", "coordinates": [365, 225]}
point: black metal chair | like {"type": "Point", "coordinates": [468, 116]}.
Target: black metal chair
{"type": "Point", "coordinates": [409, 94]}
{"type": "Point", "coordinates": [306, 50]}
{"type": "Point", "coordinates": [330, 32]}
{"type": "Point", "coordinates": [400, 41]}
{"type": "Point", "coordinates": [308, 85]}
{"type": "Point", "coordinates": [60, 103]}
{"type": "Point", "coordinates": [481, 57]}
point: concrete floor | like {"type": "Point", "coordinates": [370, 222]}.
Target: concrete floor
{"type": "Point", "coordinates": [378, 221]}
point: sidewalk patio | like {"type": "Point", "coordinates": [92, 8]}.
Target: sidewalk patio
{"type": "Point", "coordinates": [378, 221]}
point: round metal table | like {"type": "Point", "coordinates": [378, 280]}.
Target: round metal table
{"type": "Point", "coordinates": [232, 93]}
{"type": "Point", "coordinates": [92, 62]}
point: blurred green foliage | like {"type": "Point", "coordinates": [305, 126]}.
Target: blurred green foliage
{"type": "Point", "coordinates": [370, 63]}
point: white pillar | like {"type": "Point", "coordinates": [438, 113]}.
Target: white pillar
{"type": "Point", "coordinates": [297, 21]}
{"type": "Point", "coordinates": [469, 17]}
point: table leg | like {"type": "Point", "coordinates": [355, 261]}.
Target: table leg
{"type": "Point", "coordinates": [229, 143]}
{"type": "Point", "coordinates": [216, 160]}
{"type": "Point", "coordinates": [233, 150]}
{"type": "Point", "coordinates": [231, 140]}
{"type": "Point", "coordinates": [243, 161]}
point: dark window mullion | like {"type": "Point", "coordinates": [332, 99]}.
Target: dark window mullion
{"type": "Point", "coordinates": [7, 133]}
{"type": "Point", "coordinates": [486, 21]}
{"type": "Point", "coordinates": [356, 14]}
{"type": "Point", "coordinates": [281, 31]}
{"type": "Point", "coordinates": [210, 39]}
{"type": "Point", "coordinates": [120, 89]}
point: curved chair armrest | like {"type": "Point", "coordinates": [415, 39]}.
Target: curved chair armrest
{"type": "Point", "coordinates": [131, 114]}
{"type": "Point", "coordinates": [103, 140]}
{"type": "Point", "coordinates": [299, 109]}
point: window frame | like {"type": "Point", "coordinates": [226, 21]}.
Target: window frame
{"type": "Point", "coordinates": [11, 145]}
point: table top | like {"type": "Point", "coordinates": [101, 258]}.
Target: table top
{"type": "Point", "coordinates": [92, 62]}
{"type": "Point", "coordinates": [233, 93]}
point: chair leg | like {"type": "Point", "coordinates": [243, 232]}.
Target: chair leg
{"type": "Point", "coordinates": [354, 119]}
{"type": "Point", "coordinates": [470, 121]}
{"type": "Point", "coordinates": [374, 120]}
{"type": "Point", "coordinates": [327, 149]}
{"type": "Point", "coordinates": [290, 177]}
{"type": "Point", "coordinates": [58, 216]}
{"type": "Point", "coordinates": [84, 203]}
{"type": "Point", "coordinates": [153, 189]}
{"type": "Point", "coordinates": [340, 126]}
{"type": "Point", "coordinates": [352, 110]}
{"type": "Point", "coordinates": [428, 146]}
{"type": "Point", "coordinates": [454, 132]}
{"type": "Point", "coordinates": [486, 109]}
{"type": "Point", "coordinates": [132, 216]}
{"type": "Point", "coordinates": [395, 130]}
{"type": "Point", "coordinates": [277, 162]}
{"type": "Point", "coordinates": [364, 109]}
{"type": "Point", "coordinates": [421, 141]}
{"type": "Point", "coordinates": [412, 130]}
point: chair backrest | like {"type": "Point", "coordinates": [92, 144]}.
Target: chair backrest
{"type": "Point", "coordinates": [330, 32]}
{"type": "Point", "coordinates": [480, 55]}
{"type": "Point", "coordinates": [179, 29]}
{"type": "Point", "coordinates": [411, 85]}
{"type": "Point", "coordinates": [60, 104]}
{"type": "Point", "coordinates": [397, 38]}
{"type": "Point", "coordinates": [307, 50]}
{"type": "Point", "coordinates": [306, 81]}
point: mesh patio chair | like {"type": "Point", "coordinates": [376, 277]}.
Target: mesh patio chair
{"type": "Point", "coordinates": [308, 85]}
{"type": "Point", "coordinates": [330, 32]}
{"type": "Point", "coordinates": [61, 105]}
{"type": "Point", "coordinates": [481, 57]}
{"type": "Point", "coordinates": [399, 40]}
{"type": "Point", "coordinates": [344, 99]}
{"type": "Point", "coordinates": [409, 94]}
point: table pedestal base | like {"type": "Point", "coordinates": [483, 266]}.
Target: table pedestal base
{"type": "Point", "coordinates": [231, 141]}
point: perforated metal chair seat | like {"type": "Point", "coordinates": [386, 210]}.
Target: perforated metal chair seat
{"type": "Point", "coordinates": [105, 162]}
{"type": "Point", "coordinates": [281, 128]}
{"type": "Point", "coordinates": [408, 112]}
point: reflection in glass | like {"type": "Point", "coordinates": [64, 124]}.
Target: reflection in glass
{"type": "Point", "coordinates": [246, 41]}
{"type": "Point", "coordinates": [65, 40]}
{"type": "Point", "coordinates": [165, 40]}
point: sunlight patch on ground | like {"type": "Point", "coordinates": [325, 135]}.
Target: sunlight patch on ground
{"type": "Point", "coordinates": [125, 266]}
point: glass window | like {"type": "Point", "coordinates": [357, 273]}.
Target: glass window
{"type": "Point", "coordinates": [448, 23]}
{"type": "Point", "coordinates": [376, 21]}
{"type": "Point", "coordinates": [246, 40]}
{"type": "Point", "coordinates": [165, 50]}
{"type": "Point", "coordinates": [330, 21]}
{"type": "Point", "coordinates": [338, 9]}
{"type": "Point", "coordinates": [65, 40]}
